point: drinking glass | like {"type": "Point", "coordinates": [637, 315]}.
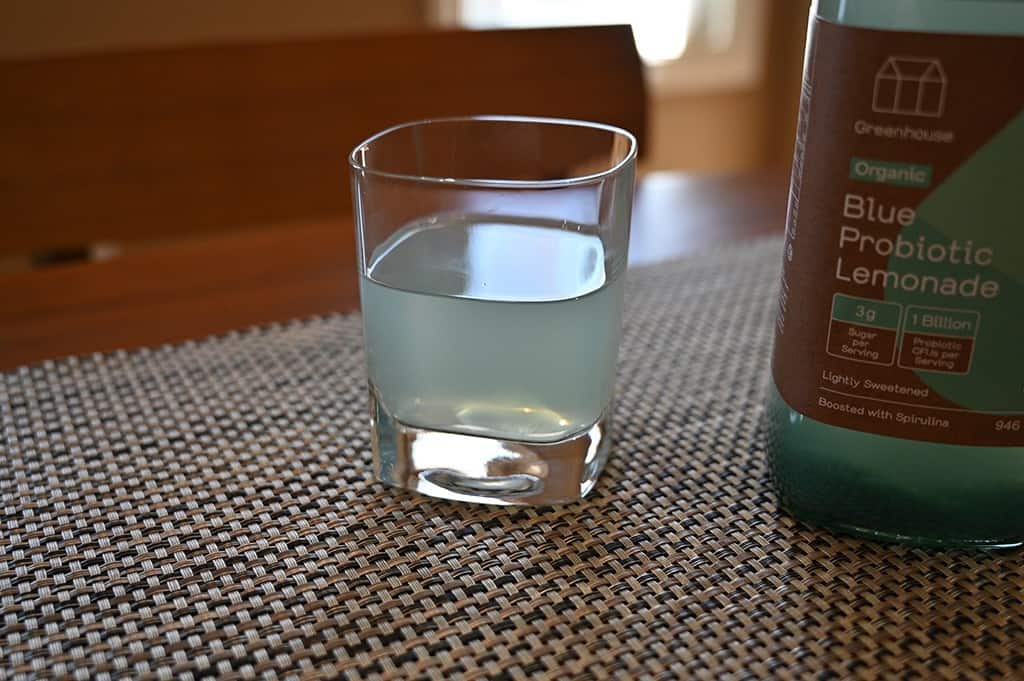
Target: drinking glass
{"type": "Point", "coordinates": [492, 253]}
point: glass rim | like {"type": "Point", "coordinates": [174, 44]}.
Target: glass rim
{"type": "Point", "coordinates": [573, 181]}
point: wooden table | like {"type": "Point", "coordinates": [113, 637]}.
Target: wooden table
{"type": "Point", "coordinates": [201, 286]}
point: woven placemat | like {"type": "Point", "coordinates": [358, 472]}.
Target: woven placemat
{"type": "Point", "coordinates": [207, 509]}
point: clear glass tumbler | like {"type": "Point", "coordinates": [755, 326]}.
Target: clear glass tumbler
{"type": "Point", "coordinates": [492, 254]}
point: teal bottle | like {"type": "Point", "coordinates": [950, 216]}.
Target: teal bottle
{"type": "Point", "coordinates": [896, 406]}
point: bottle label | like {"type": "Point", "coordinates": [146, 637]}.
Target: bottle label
{"type": "Point", "coordinates": [902, 301]}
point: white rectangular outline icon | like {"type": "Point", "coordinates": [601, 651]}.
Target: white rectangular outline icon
{"type": "Point", "coordinates": [973, 339]}
{"type": "Point", "coordinates": [895, 345]}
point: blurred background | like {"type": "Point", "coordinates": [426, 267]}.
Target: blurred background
{"type": "Point", "coordinates": [129, 123]}
{"type": "Point", "coordinates": [722, 75]}
{"type": "Point", "coordinates": [175, 168]}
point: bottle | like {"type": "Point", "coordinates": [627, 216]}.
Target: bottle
{"type": "Point", "coordinates": [896, 406]}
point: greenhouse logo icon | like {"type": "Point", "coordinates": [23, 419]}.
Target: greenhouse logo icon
{"type": "Point", "coordinates": [915, 86]}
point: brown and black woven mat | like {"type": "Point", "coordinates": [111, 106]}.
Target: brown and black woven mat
{"type": "Point", "coordinates": [207, 509]}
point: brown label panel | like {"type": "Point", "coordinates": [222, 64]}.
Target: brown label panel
{"type": "Point", "coordinates": [922, 104]}
{"type": "Point", "coordinates": [861, 343]}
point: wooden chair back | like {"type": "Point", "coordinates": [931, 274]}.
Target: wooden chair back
{"type": "Point", "coordinates": [159, 144]}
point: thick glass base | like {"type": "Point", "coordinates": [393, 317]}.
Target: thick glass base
{"type": "Point", "coordinates": [892, 489]}
{"type": "Point", "coordinates": [486, 470]}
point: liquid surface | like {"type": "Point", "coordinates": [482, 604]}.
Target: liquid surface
{"type": "Point", "coordinates": [492, 326]}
